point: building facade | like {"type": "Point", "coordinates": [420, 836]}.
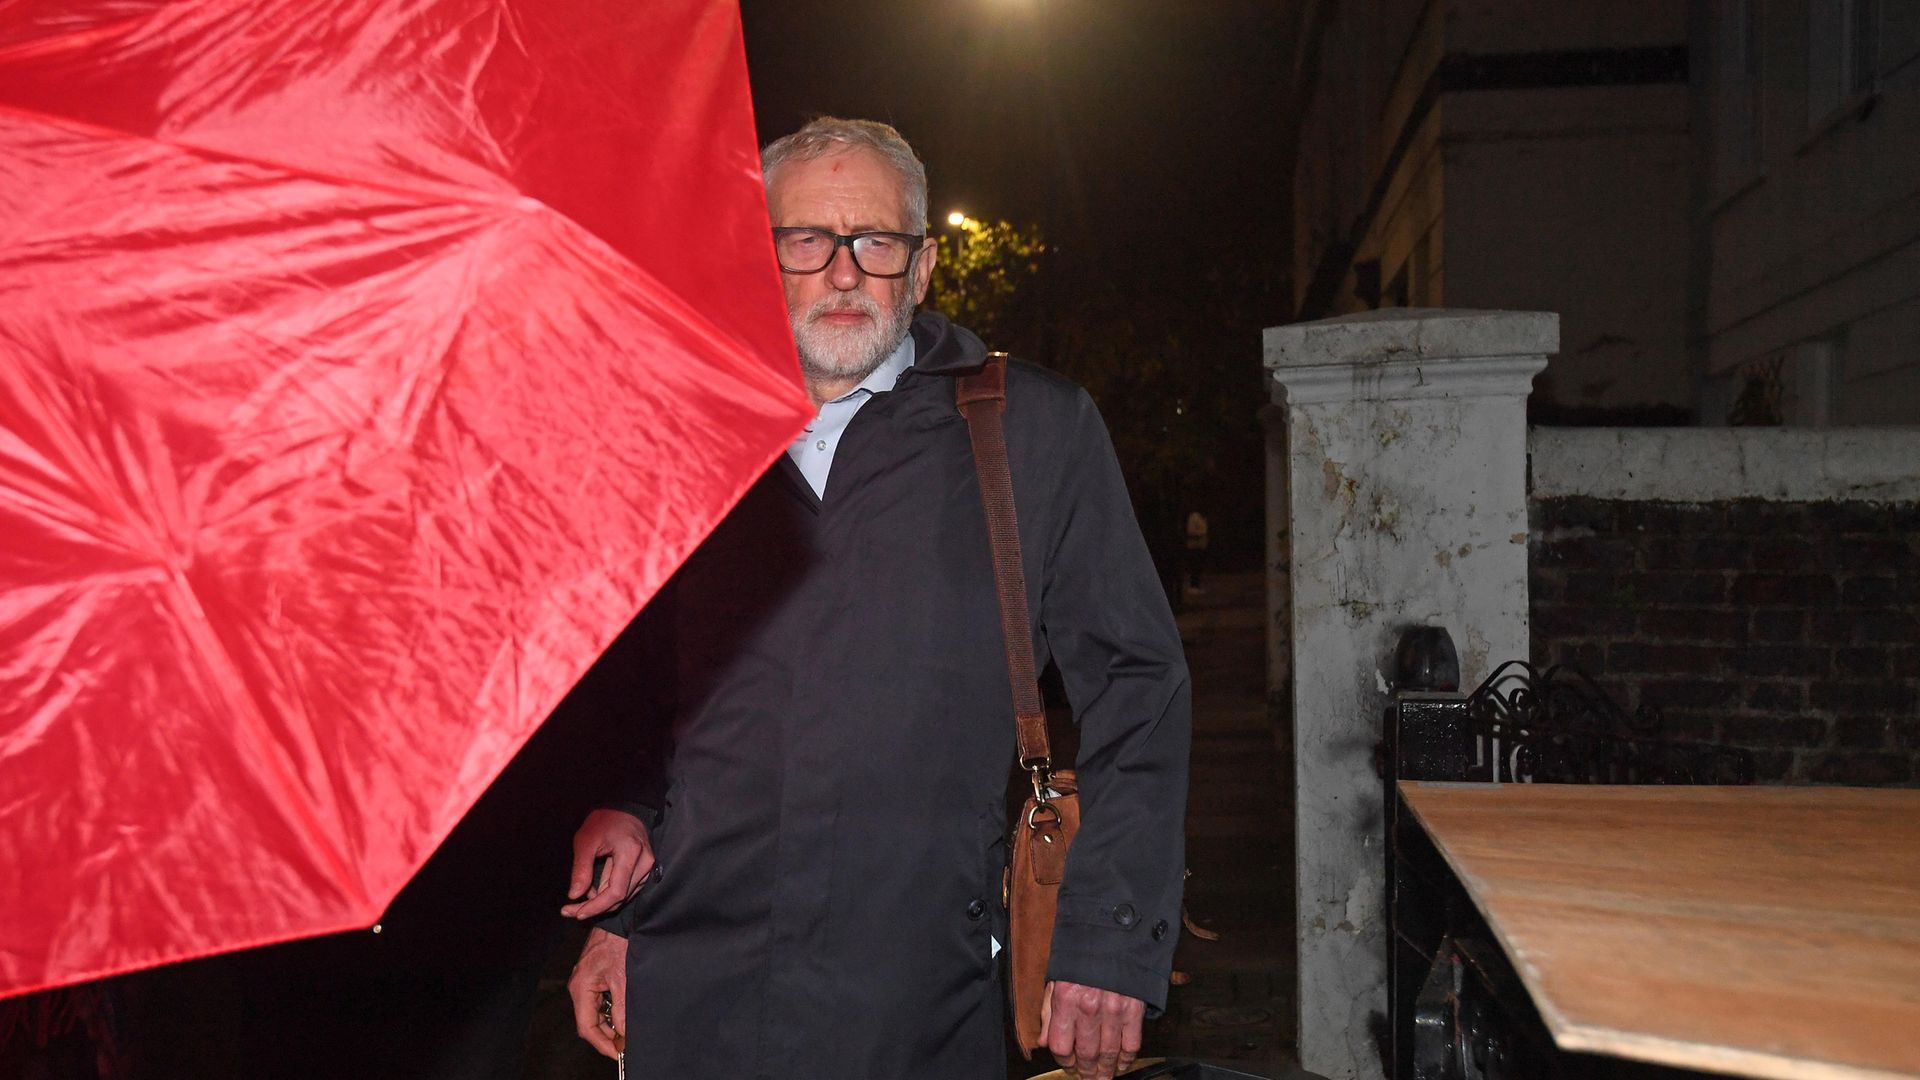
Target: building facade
{"type": "Point", "coordinates": [1720, 198]}
{"type": "Point", "coordinates": [1810, 213]}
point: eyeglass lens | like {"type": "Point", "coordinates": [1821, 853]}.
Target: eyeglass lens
{"type": "Point", "coordinates": [808, 250]}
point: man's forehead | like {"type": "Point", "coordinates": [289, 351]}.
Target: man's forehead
{"type": "Point", "coordinates": [841, 158]}
{"type": "Point", "coordinates": [855, 174]}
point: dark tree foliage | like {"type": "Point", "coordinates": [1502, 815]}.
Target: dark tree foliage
{"type": "Point", "coordinates": [987, 279]}
{"type": "Point", "coordinates": [1175, 372]}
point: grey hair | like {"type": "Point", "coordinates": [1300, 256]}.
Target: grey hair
{"type": "Point", "coordinates": [826, 136]}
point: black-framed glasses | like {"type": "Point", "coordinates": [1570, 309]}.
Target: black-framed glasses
{"type": "Point", "coordinates": [875, 254]}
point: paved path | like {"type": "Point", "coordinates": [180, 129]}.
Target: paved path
{"type": "Point", "coordinates": [1238, 1009]}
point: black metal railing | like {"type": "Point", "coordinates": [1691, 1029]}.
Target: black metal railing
{"type": "Point", "coordinates": [1455, 1012]}
{"type": "Point", "coordinates": [1558, 726]}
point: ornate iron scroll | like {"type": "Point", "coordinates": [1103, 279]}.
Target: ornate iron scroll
{"type": "Point", "coordinates": [1559, 726]}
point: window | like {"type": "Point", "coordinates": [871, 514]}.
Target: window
{"type": "Point", "coordinates": [1736, 89]}
{"type": "Point", "coordinates": [1843, 48]}
{"type": "Point", "coordinates": [1899, 40]}
{"type": "Point", "coordinates": [1862, 46]}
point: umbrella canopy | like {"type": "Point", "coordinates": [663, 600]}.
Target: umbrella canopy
{"type": "Point", "coordinates": [364, 366]}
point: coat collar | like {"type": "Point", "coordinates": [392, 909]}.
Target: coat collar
{"type": "Point", "coordinates": [942, 348]}
{"type": "Point", "coordinates": [922, 401]}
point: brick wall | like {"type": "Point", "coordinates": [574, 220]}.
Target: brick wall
{"type": "Point", "coordinates": [1789, 628]}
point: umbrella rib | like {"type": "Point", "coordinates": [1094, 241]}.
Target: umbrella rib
{"type": "Point", "coordinates": [448, 193]}
{"type": "Point", "coordinates": [671, 305]}
{"type": "Point", "coordinates": [69, 40]}
{"type": "Point", "coordinates": [226, 675]}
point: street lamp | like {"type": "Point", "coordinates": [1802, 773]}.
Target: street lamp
{"type": "Point", "coordinates": [956, 219]}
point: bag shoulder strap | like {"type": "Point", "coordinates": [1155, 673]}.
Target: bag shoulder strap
{"type": "Point", "coordinates": [982, 397]}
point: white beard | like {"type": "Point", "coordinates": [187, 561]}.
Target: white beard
{"type": "Point", "coordinates": [855, 352]}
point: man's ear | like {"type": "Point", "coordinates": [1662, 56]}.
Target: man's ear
{"type": "Point", "coordinates": [923, 269]}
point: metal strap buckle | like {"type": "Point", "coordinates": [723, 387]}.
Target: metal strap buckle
{"type": "Point", "coordinates": [1042, 775]}
{"type": "Point", "coordinates": [1035, 821]}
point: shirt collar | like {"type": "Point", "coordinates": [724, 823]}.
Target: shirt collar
{"type": "Point", "coordinates": [886, 375]}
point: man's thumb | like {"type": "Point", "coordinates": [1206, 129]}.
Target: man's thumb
{"type": "Point", "coordinates": [582, 877]}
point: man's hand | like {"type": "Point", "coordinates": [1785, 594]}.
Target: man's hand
{"type": "Point", "coordinates": [622, 839]}
{"type": "Point", "coordinates": [1093, 1033]}
{"type": "Point", "coordinates": [602, 968]}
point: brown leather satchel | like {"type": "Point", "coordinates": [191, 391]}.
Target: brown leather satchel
{"type": "Point", "coordinates": [1046, 824]}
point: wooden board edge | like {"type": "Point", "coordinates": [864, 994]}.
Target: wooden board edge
{"type": "Point", "coordinates": [1557, 1024]}
{"type": "Point", "coordinates": [1713, 1058]}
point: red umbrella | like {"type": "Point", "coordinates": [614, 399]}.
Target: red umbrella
{"type": "Point", "coordinates": [364, 366]}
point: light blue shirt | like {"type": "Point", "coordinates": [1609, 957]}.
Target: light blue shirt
{"type": "Point", "coordinates": [813, 450]}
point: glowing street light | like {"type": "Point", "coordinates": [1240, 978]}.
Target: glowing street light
{"type": "Point", "coordinates": [956, 219]}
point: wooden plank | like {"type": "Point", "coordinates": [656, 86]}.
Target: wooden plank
{"type": "Point", "coordinates": [1764, 932]}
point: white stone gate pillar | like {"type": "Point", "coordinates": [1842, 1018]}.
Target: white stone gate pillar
{"type": "Point", "coordinates": [1405, 457]}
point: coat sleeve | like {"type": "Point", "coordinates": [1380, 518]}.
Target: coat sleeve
{"type": "Point", "coordinates": [1106, 621]}
{"type": "Point", "coordinates": [632, 688]}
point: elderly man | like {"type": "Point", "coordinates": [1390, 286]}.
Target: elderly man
{"type": "Point", "coordinates": [811, 887]}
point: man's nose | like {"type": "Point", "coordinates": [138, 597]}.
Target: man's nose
{"type": "Point", "coordinates": [842, 273]}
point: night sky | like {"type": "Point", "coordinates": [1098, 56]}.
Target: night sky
{"type": "Point", "coordinates": [1140, 134]}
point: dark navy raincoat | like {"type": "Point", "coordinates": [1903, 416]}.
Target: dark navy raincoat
{"type": "Point", "coordinates": [830, 815]}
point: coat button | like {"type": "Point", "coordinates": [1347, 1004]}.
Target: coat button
{"type": "Point", "coordinates": [975, 909]}
{"type": "Point", "coordinates": [1160, 930]}
{"type": "Point", "coordinates": [1125, 915]}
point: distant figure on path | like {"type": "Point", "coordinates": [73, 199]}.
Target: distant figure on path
{"type": "Point", "coordinates": [1196, 548]}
